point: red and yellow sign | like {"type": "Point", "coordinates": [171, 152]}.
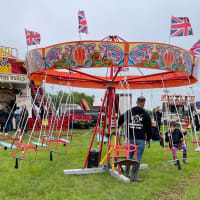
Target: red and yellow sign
{"type": "Point", "coordinates": [9, 62]}
{"type": "Point", "coordinates": [8, 52]}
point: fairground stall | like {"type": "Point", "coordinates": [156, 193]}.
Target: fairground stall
{"type": "Point", "coordinates": [175, 106]}
{"type": "Point", "coordinates": [13, 78]}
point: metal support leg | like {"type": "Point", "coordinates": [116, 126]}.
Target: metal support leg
{"type": "Point", "coordinates": [51, 156]}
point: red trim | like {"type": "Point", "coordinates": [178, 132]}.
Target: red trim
{"type": "Point", "coordinates": [25, 147]}
{"type": "Point", "coordinates": [100, 41]}
{"type": "Point", "coordinates": [173, 149]}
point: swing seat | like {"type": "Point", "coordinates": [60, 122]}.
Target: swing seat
{"type": "Point", "coordinates": [196, 141]}
{"type": "Point", "coordinates": [57, 141]}
{"type": "Point", "coordinates": [174, 148]}
{"type": "Point", "coordinates": [48, 138]}
{"type": "Point", "coordinates": [64, 140]}
{"type": "Point", "coordinates": [99, 138]}
{"type": "Point", "coordinates": [126, 162]}
{"type": "Point", "coordinates": [176, 159]}
{"type": "Point", "coordinates": [39, 144]}
{"type": "Point", "coordinates": [155, 140]}
{"type": "Point", "coordinates": [19, 158]}
{"type": "Point", "coordinates": [57, 152]}
{"type": "Point", "coordinates": [197, 149]}
{"type": "Point", "coordinates": [25, 148]}
{"type": "Point", "coordinates": [8, 145]}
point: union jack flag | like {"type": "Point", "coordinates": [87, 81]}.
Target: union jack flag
{"type": "Point", "coordinates": [195, 50]}
{"type": "Point", "coordinates": [32, 38]}
{"type": "Point", "coordinates": [180, 26]}
{"type": "Point", "coordinates": [82, 23]}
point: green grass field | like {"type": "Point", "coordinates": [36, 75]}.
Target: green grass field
{"type": "Point", "coordinates": [45, 179]}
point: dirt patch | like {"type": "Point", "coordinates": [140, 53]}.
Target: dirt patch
{"type": "Point", "coordinates": [177, 190]}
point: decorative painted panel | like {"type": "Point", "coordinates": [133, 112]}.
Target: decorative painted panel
{"type": "Point", "coordinates": [34, 60]}
{"type": "Point", "coordinates": [84, 54]}
{"type": "Point", "coordinates": [160, 56]}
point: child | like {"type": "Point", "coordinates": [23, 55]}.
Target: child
{"type": "Point", "coordinates": [156, 133]}
{"type": "Point", "coordinates": [174, 137]}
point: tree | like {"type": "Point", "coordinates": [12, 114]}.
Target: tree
{"type": "Point", "coordinates": [77, 98]}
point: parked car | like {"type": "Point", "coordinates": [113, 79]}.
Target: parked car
{"type": "Point", "coordinates": [78, 118]}
{"type": "Point", "coordinates": [94, 114]}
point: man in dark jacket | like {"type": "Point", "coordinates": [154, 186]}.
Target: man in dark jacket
{"type": "Point", "coordinates": [156, 135]}
{"type": "Point", "coordinates": [158, 116]}
{"type": "Point", "coordinates": [2, 117]}
{"type": "Point", "coordinates": [174, 137]}
{"type": "Point", "coordinates": [196, 121]}
{"type": "Point", "coordinates": [138, 126]}
{"type": "Point", "coordinates": [9, 116]}
{"type": "Point", "coordinates": [23, 119]}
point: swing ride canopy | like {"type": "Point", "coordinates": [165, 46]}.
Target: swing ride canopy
{"type": "Point", "coordinates": [177, 67]}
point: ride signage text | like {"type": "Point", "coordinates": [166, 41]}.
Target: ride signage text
{"type": "Point", "coordinates": [8, 51]}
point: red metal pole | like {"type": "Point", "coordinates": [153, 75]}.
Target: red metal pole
{"type": "Point", "coordinates": [105, 122]}
{"type": "Point", "coordinates": [109, 122]}
{"type": "Point", "coordinates": [117, 102]}
{"type": "Point", "coordinates": [115, 124]}
{"type": "Point", "coordinates": [97, 124]}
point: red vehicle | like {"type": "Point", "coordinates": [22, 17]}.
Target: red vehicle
{"type": "Point", "coordinates": [78, 118]}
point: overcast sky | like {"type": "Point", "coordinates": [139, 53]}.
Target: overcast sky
{"type": "Point", "coordinates": [134, 21]}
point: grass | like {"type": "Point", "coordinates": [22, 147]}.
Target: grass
{"type": "Point", "coordinates": [45, 179]}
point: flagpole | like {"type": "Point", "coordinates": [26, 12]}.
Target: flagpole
{"type": "Point", "coordinates": [169, 40]}
{"type": "Point", "coordinates": [26, 44]}
{"type": "Point", "coordinates": [170, 33]}
{"type": "Point", "coordinates": [78, 26]}
{"type": "Point", "coordinates": [79, 36]}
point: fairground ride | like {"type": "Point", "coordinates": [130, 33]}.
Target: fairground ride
{"type": "Point", "coordinates": [64, 64]}
{"type": "Point", "coordinates": [176, 106]}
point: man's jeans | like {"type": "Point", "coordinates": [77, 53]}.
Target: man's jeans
{"type": "Point", "coordinates": [141, 145]}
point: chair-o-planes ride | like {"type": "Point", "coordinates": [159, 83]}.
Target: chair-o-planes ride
{"type": "Point", "coordinates": [183, 110]}
{"type": "Point", "coordinates": [64, 64]}
{"type": "Point", "coordinates": [51, 131]}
